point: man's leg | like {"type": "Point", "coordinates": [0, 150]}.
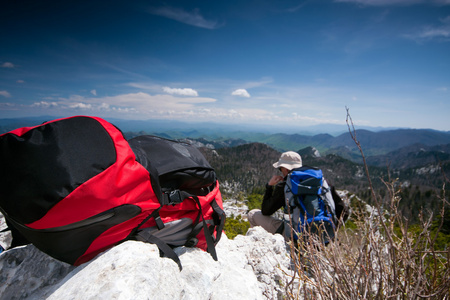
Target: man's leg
{"type": "Point", "coordinates": [269, 223]}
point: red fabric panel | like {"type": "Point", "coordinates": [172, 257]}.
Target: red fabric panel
{"type": "Point", "coordinates": [111, 237]}
{"type": "Point", "coordinates": [189, 208]}
{"type": "Point", "coordinates": [125, 182]}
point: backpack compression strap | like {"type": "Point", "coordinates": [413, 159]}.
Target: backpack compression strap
{"type": "Point", "coordinates": [210, 242]}
{"type": "Point", "coordinates": [144, 236]}
{"type": "Point", "coordinates": [178, 196]}
{"type": "Point", "coordinates": [174, 198]}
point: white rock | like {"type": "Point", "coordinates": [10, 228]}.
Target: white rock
{"type": "Point", "coordinates": [5, 236]}
{"type": "Point", "coordinates": [248, 267]}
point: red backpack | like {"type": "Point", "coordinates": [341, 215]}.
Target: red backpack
{"type": "Point", "coordinates": [75, 187]}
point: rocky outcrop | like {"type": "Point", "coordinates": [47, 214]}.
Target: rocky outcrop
{"type": "Point", "coordinates": [254, 266]}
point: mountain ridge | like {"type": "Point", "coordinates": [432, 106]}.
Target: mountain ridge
{"type": "Point", "coordinates": [373, 142]}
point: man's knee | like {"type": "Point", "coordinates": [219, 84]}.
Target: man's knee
{"type": "Point", "coordinates": [251, 216]}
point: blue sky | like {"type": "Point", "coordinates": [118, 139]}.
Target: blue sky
{"type": "Point", "coordinates": [246, 62]}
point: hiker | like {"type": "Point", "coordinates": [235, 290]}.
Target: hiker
{"type": "Point", "coordinates": [274, 197]}
{"type": "Point", "coordinates": [313, 205]}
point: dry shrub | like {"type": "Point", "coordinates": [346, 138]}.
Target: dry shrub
{"type": "Point", "coordinates": [378, 257]}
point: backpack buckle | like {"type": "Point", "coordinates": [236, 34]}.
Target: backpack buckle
{"type": "Point", "coordinates": [173, 197]}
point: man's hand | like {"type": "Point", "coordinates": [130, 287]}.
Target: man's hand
{"type": "Point", "coordinates": [275, 179]}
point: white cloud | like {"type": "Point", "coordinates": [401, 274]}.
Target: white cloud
{"type": "Point", "coordinates": [44, 104]}
{"type": "Point", "coordinates": [124, 110]}
{"type": "Point", "coordinates": [104, 106]}
{"type": "Point", "coordinates": [163, 106]}
{"type": "Point", "coordinates": [141, 104]}
{"type": "Point", "coordinates": [20, 81]}
{"type": "Point", "coordinates": [191, 18]}
{"type": "Point", "coordinates": [181, 92]}
{"type": "Point", "coordinates": [241, 93]}
{"type": "Point", "coordinates": [144, 105]}
{"type": "Point", "coordinates": [94, 92]}
{"type": "Point", "coordinates": [5, 94]}
{"type": "Point", "coordinates": [7, 65]}
{"type": "Point", "coordinates": [81, 105]}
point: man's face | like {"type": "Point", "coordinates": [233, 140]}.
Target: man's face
{"type": "Point", "coordinates": [284, 171]}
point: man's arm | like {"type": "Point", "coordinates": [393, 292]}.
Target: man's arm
{"type": "Point", "coordinates": [273, 198]}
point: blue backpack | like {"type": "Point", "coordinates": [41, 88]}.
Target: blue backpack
{"type": "Point", "coordinates": [309, 204]}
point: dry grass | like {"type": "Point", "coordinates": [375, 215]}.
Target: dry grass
{"type": "Point", "coordinates": [379, 257]}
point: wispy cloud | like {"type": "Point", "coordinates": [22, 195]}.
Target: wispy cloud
{"type": "Point", "coordinates": [241, 93]}
{"type": "Point", "coordinates": [259, 83]}
{"type": "Point", "coordinates": [395, 2]}
{"type": "Point", "coordinates": [181, 92]}
{"type": "Point", "coordinates": [296, 8]}
{"type": "Point", "coordinates": [8, 106]}
{"type": "Point", "coordinates": [7, 65]}
{"type": "Point", "coordinates": [5, 94]}
{"type": "Point", "coordinates": [145, 86]}
{"type": "Point", "coordinates": [193, 18]}
{"type": "Point", "coordinates": [427, 33]}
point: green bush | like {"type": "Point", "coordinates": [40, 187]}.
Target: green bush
{"type": "Point", "coordinates": [254, 201]}
{"type": "Point", "coordinates": [234, 226]}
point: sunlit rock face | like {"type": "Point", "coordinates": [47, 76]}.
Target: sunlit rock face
{"type": "Point", "coordinates": [248, 267]}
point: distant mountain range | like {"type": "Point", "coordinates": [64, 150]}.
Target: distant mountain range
{"type": "Point", "coordinates": [197, 129]}
{"type": "Point", "coordinates": [372, 143]}
{"type": "Point", "coordinates": [400, 148]}
{"type": "Point", "coordinates": [380, 145]}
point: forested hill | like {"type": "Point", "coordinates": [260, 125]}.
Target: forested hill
{"type": "Point", "coordinates": [248, 168]}
{"type": "Point", "coordinates": [250, 165]}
